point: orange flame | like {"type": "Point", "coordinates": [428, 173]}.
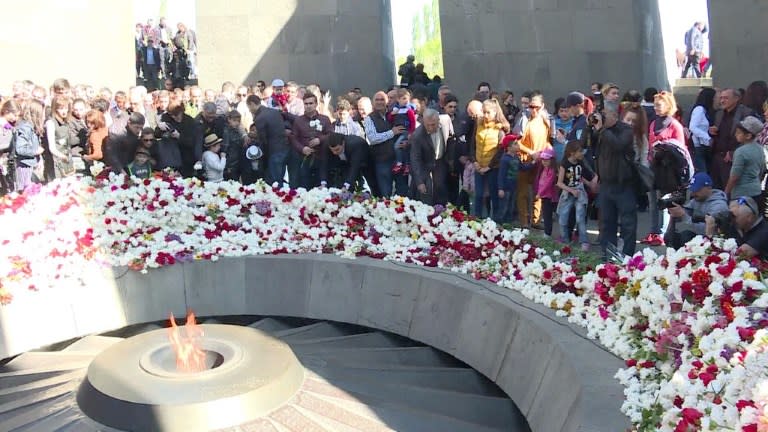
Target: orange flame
{"type": "Point", "coordinates": [190, 358]}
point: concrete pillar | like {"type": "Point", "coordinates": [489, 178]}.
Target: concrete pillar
{"type": "Point", "coordinates": [553, 45]}
{"type": "Point", "coordinates": [738, 41]}
{"type": "Point", "coordinates": [336, 43]}
{"type": "Point", "coordinates": [388, 42]}
{"type": "Point", "coordinates": [85, 41]}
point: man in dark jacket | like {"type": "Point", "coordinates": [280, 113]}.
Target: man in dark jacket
{"type": "Point", "coordinates": [271, 128]}
{"type": "Point", "coordinates": [151, 60]}
{"type": "Point", "coordinates": [618, 180]}
{"type": "Point", "coordinates": [407, 71]}
{"type": "Point", "coordinates": [181, 140]}
{"type": "Point", "coordinates": [431, 158]}
{"type": "Point", "coordinates": [310, 132]}
{"type": "Point", "coordinates": [120, 149]}
{"type": "Point", "coordinates": [346, 155]}
{"type": "Point", "coordinates": [724, 143]}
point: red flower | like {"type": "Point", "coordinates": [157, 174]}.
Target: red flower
{"type": "Point", "coordinates": [706, 378]}
{"type": "Point", "coordinates": [749, 428]}
{"type": "Point", "coordinates": [678, 402]}
{"type": "Point", "coordinates": [691, 415]}
{"type": "Point", "coordinates": [741, 404]}
{"type": "Point", "coordinates": [727, 269]}
{"type": "Point", "coordinates": [746, 334]}
{"type": "Point", "coordinates": [631, 363]}
{"type": "Point", "coordinates": [648, 364]}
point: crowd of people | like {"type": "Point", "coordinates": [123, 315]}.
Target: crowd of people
{"type": "Point", "coordinates": [598, 155]}
{"type": "Point", "coordinates": [162, 54]}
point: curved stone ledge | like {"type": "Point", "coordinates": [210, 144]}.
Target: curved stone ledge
{"type": "Point", "coordinates": [560, 381]}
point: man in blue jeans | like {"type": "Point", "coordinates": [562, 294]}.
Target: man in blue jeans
{"type": "Point", "coordinates": [618, 180]}
{"type": "Point", "coordinates": [381, 134]}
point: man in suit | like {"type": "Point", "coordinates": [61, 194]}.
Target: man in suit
{"type": "Point", "coordinates": [431, 158]}
{"type": "Point", "coordinates": [347, 155]}
{"type": "Point", "coordinates": [151, 58]}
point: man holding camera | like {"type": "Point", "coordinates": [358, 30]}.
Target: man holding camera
{"type": "Point", "coordinates": [746, 225]}
{"type": "Point", "coordinates": [688, 219]}
{"type": "Point", "coordinates": [618, 181]}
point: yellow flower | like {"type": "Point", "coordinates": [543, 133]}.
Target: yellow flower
{"type": "Point", "coordinates": [750, 276]}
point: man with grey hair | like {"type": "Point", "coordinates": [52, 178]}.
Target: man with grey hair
{"type": "Point", "coordinates": [431, 158]}
{"type": "Point", "coordinates": [209, 122]}
{"type": "Point", "coordinates": [618, 179]}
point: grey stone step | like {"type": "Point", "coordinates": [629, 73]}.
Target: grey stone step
{"type": "Point", "coordinates": [462, 380]}
{"type": "Point", "coordinates": [29, 413]}
{"type": "Point", "coordinates": [47, 361]}
{"type": "Point", "coordinates": [487, 411]}
{"type": "Point", "coordinates": [54, 421]}
{"type": "Point", "coordinates": [314, 331]}
{"type": "Point", "coordinates": [406, 356]}
{"type": "Point", "coordinates": [10, 380]}
{"type": "Point", "coordinates": [364, 340]}
{"type": "Point", "coordinates": [407, 419]}
{"type": "Point", "coordinates": [270, 325]}
{"type": "Point", "coordinates": [92, 344]}
{"type": "Point", "coordinates": [84, 424]}
{"type": "Point", "coordinates": [60, 378]}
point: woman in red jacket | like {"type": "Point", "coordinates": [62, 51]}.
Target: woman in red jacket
{"type": "Point", "coordinates": [667, 129]}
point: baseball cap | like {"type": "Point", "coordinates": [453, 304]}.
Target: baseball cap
{"type": "Point", "coordinates": [573, 99]}
{"type": "Point", "coordinates": [546, 154]}
{"type": "Point", "coordinates": [700, 180]}
{"type": "Point", "coordinates": [751, 125]}
{"type": "Point", "coordinates": [508, 139]}
{"type": "Point", "coordinates": [277, 82]}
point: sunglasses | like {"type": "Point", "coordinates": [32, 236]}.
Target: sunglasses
{"type": "Point", "coordinates": [147, 139]}
{"type": "Point", "coordinates": [242, 94]}
{"type": "Point", "coordinates": [535, 107]}
{"type": "Point", "coordinates": [745, 201]}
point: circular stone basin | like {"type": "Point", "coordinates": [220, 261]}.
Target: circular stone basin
{"type": "Point", "coordinates": [134, 385]}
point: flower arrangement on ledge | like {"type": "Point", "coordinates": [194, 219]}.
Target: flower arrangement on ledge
{"type": "Point", "coordinates": [691, 324]}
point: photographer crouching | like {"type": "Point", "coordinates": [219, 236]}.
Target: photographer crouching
{"type": "Point", "coordinates": [745, 225]}
{"type": "Point", "coordinates": [688, 218]}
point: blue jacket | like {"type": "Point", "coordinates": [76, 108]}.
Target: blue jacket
{"type": "Point", "coordinates": [509, 168]}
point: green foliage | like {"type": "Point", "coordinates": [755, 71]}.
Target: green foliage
{"type": "Point", "coordinates": [427, 42]}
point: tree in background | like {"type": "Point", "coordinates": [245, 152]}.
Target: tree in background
{"type": "Point", "coordinates": [427, 42]}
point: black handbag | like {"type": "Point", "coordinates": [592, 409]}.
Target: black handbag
{"type": "Point", "coordinates": [643, 174]}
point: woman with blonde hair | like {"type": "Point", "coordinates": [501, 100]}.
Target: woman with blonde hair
{"type": "Point", "coordinates": [664, 129]}
{"type": "Point", "coordinates": [484, 152]}
{"type": "Point", "coordinates": [534, 140]}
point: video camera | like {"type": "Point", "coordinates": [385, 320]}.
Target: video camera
{"type": "Point", "coordinates": [723, 220]}
{"type": "Point", "coordinates": [671, 199]}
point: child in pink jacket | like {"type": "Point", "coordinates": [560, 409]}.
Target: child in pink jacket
{"type": "Point", "coordinates": [545, 187]}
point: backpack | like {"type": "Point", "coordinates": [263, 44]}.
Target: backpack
{"type": "Point", "coordinates": [671, 171]}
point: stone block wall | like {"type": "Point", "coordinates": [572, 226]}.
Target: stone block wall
{"type": "Point", "coordinates": [336, 43]}
{"type": "Point", "coordinates": [739, 41]}
{"type": "Point", "coordinates": [553, 45]}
